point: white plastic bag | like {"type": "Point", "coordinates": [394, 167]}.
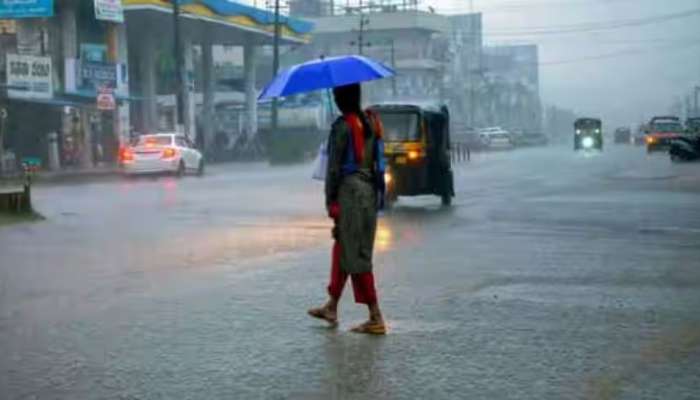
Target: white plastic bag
{"type": "Point", "coordinates": [321, 163]}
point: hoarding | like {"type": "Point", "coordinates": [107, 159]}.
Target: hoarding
{"type": "Point", "coordinates": [109, 10]}
{"type": "Point", "coordinates": [11, 9]}
{"type": "Point", "coordinates": [29, 76]}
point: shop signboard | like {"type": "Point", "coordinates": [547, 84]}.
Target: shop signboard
{"type": "Point", "coordinates": [105, 99]}
{"type": "Point", "coordinates": [92, 52]}
{"type": "Point", "coordinates": [94, 75]}
{"type": "Point", "coordinates": [29, 76]}
{"type": "Point", "coordinates": [13, 9]}
{"type": "Point", "coordinates": [109, 10]}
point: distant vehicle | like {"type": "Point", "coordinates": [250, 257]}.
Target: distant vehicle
{"type": "Point", "coordinates": [495, 138]}
{"type": "Point", "coordinates": [588, 134]}
{"type": "Point", "coordinates": [692, 126]}
{"type": "Point", "coordinates": [161, 153]}
{"type": "Point", "coordinates": [685, 148]}
{"type": "Point", "coordinates": [661, 131]}
{"type": "Point", "coordinates": [623, 135]}
{"type": "Point", "coordinates": [639, 138]}
{"type": "Point", "coordinates": [417, 150]}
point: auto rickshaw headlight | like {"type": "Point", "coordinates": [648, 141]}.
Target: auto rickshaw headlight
{"type": "Point", "coordinates": [597, 131]}
{"type": "Point", "coordinates": [587, 142]}
{"type": "Point", "coordinates": [413, 155]}
{"type": "Point", "coordinates": [578, 131]}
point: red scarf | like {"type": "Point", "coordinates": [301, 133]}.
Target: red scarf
{"type": "Point", "coordinates": [358, 133]}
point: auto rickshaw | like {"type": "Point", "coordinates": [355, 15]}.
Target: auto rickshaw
{"type": "Point", "coordinates": [588, 134]}
{"type": "Point", "coordinates": [417, 150]}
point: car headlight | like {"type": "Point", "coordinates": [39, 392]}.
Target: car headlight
{"type": "Point", "coordinates": [587, 142]}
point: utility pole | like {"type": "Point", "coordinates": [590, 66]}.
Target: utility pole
{"type": "Point", "coordinates": [3, 118]}
{"type": "Point", "coordinates": [393, 66]}
{"type": "Point", "coordinates": [275, 66]}
{"type": "Point", "coordinates": [364, 21]}
{"type": "Point", "coordinates": [179, 76]}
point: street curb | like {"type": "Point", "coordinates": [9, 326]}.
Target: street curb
{"type": "Point", "coordinates": [78, 177]}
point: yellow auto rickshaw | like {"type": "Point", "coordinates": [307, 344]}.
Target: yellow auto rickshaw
{"type": "Point", "coordinates": [417, 150]}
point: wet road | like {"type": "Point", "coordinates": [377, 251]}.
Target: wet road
{"type": "Point", "coordinates": [554, 276]}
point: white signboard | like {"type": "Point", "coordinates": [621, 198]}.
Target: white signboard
{"type": "Point", "coordinates": [109, 10]}
{"type": "Point", "coordinates": [29, 77]}
{"type": "Point", "coordinates": [105, 100]}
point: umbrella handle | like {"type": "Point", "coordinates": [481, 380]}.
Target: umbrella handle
{"type": "Point", "coordinates": [330, 103]}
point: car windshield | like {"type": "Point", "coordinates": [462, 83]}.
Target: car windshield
{"type": "Point", "coordinates": [587, 125]}
{"type": "Point", "coordinates": [400, 127]}
{"type": "Point", "coordinates": [155, 140]}
{"type": "Point", "coordinates": [667, 127]}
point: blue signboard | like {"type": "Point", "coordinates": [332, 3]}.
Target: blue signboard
{"type": "Point", "coordinates": [10, 9]}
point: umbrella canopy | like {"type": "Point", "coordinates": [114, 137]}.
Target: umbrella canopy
{"type": "Point", "coordinates": [324, 73]}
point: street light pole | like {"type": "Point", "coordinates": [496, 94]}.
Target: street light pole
{"type": "Point", "coordinates": [393, 66]}
{"type": "Point", "coordinates": [179, 78]}
{"type": "Point", "coordinates": [275, 66]}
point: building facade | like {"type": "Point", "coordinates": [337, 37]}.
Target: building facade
{"type": "Point", "coordinates": [57, 56]}
{"type": "Point", "coordinates": [510, 87]}
{"type": "Point", "coordinates": [413, 42]}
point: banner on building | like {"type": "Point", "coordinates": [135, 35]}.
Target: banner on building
{"type": "Point", "coordinates": [8, 27]}
{"type": "Point", "coordinates": [109, 10]}
{"type": "Point", "coordinates": [29, 77]}
{"type": "Point", "coordinates": [11, 9]}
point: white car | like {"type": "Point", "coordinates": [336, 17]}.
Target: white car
{"type": "Point", "coordinates": [161, 153]}
{"type": "Point", "coordinates": [495, 137]}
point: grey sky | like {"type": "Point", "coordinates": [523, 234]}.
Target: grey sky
{"type": "Point", "coordinates": [660, 60]}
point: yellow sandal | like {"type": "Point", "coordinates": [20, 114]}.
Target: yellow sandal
{"type": "Point", "coordinates": [371, 328]}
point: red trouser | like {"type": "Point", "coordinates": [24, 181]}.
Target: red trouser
{"type": "Point", "coordinates": [362, 284]}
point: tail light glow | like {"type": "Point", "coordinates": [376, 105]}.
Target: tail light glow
{"type": "Point", "coordinates": [169, 152]}
{"type": "Point", "coordinates": [126, 155]}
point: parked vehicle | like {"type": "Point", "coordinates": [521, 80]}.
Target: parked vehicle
{"type": "Point", "coordinates": [685, 148]}
{"type": "Point", "coordinates": [661, 131]}
{"type": "Point", "coordinates": [417, 150]}
{"type": "Point", "coordinates": [161, 153]}
{"type": "Point", "coordinates": [588, 134]}
{"type": "Point", "coordinates": [623, 135]}
{"type": "Point", "coordinates": [496, 138]}
{"type": "Point", "coordinates": [692, 126]}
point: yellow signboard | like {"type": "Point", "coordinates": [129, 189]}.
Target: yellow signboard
{"type": "Point", "coordinates": [8, 27]}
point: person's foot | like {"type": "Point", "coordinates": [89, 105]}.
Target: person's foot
{"type": "Point", "coordinates": [373, 326]}
{"type": "Point", "coordinates": [325, 313]}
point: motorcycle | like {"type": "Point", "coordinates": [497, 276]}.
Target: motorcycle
{"type": "Point", "coordinates": [685, 148]}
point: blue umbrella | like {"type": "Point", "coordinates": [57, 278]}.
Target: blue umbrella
{"type": "Point", "coordinates": [324, 73]}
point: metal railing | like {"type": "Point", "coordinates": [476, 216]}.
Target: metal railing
{"type": "Point", "coordinates": [460, 152]}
